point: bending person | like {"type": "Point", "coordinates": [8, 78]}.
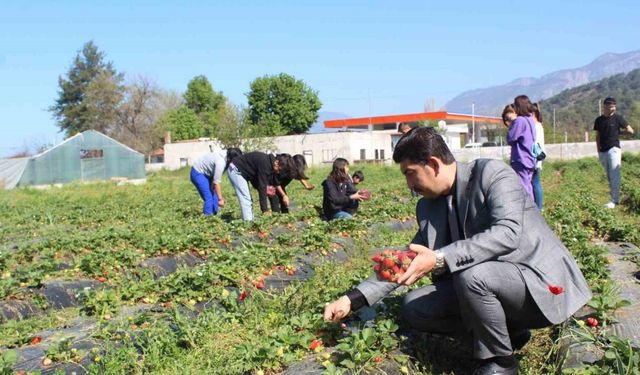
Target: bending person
{"type": "Point", "coordinates": [280, 201]}
{"type": "Point", "coordinates": [206, 175]}
{"type": "Point", "coordinates": [260, 170]}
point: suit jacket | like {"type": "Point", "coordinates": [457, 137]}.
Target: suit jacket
{"type": "Point", "coordinates": [499, 223]}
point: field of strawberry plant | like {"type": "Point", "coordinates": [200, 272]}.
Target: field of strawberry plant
{"type": "Point", "coordinates": [133, 279]}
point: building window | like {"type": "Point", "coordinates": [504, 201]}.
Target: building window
{"type": "Point", "coordinates": [363, 154]}
{"type": "Point", "coordinates": [328, 155]}
{"type": "Point", "coordinates": [376, 153]}
{"type": "Point", "coordinates": [184, 162]}
{"type": "Point", "coordinates": [91, 154]}
{"type": "Point", "coordinates": [382, 154]}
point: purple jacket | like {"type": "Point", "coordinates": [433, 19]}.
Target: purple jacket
{"type": "Point", "coordinates": [520, 136]}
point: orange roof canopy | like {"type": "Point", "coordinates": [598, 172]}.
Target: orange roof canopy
{"type": "Point", "coordinates": [410, 117]}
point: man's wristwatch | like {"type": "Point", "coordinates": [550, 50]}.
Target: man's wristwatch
{"type": "Point", "coordinates": [439, 268]}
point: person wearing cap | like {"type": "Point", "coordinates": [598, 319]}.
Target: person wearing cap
{"type": "Point", "coordinates": [608, 127]}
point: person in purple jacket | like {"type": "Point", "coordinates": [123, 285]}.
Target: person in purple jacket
{"type": "Point", "coordinates": [521, 137]}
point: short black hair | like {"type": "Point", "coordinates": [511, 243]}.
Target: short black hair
{"type": "Point", "coordinates": [420, 144]}
{"type": "Point", "coordinates": [358, 174]}
{"type": "Point", "coordinates": [609, 100]}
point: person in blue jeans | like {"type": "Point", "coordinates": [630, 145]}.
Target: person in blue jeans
{"type": "Point", "coordinates": [206, 174]}
{"type": "Point", "coordinates": [336, 201]}
{"type": "Point", "coordinates": [608, 128]}
{"type": "Point", "coordinates": [258, 169]}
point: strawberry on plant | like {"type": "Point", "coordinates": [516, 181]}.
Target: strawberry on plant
{"type": "Point", "coordinates": [316, 345]}
{"type": "Point", "coordinates": [243, 295]}
{"type": "Point", "coordinates": [592, 322]}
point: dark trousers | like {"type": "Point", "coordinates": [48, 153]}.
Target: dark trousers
{"type": "Point", "coordinates": [487, 301]}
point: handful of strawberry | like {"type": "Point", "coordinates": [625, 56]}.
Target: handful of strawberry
{"type": "Point", "coordinates": [391, 264]}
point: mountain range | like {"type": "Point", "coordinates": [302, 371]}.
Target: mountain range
{"type": "Point", "coordinates": [491, 100]}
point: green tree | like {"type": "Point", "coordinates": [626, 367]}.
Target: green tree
{"type": "Point", "coordinates": [205, 102]}
{"type": "Point", "coordinates": [201, 97]}
{"type": "Point", "coordinates": [91, 89]}
{"type": "Point", "coordinates": [182, 122]}
{"type": "Point", "coordinates": [235, 130]}
{"type": "Point", "coordinates": [282, 104]}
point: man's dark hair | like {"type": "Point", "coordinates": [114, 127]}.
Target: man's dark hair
{"type": "Point", "coordinates": [609, 100]}
{"type": "Point", "coordinates": [358, 174]}
{"type": "Point", "coordinates": [523, 105]}
{"type": "Point", "coordinates": [420, 144]}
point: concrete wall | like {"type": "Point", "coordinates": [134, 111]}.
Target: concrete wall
{"type": "Point", "coordinates": [558, 151]}
{"type": "Point", "coordinates": [323, 148]}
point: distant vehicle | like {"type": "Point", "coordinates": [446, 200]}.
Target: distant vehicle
{"type": "Point", "coordinates": [473, 145]}
{"type": "Point", "coordinates": [489, 144]}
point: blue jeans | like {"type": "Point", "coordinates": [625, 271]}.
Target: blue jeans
{"type": "Point", "coordinates": [611, 161]}
{"type": "Point", "coordinates": [241, 186]}
{"type": "Point", "coordinates": [341, 215]}
{"type": "Point", "coordinates": [537, 187]}
{"type": "Point", "coordinates": [203, 185]}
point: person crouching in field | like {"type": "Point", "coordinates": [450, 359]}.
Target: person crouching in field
{"type": "Point", "coordinates": [206, 175]}
{"type": "Point", "coordinates": [260, 170]}
{"type": "Point", "coordinates": [280, 201]}
{"type": "Point", "coordinates": [337, 198]}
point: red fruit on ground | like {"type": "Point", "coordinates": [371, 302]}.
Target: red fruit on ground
{"type": "Point", "coordinates": [592, 322]}
{"type": "Point", "coordinates": [242, 296]}
{"type": "Point", "coordinates": [36, 340]}
{"type": "Point", "coordinates": [101, 279]}
{"type": "Point", "coordinates": [315, 344]}
{"type": "Point", "coordinates": [377, 359]}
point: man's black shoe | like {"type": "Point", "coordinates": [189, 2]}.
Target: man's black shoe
{"type": "Point", "coordinates": [520, 338]}
{"type": "Point", "coordinates": [492, 368]}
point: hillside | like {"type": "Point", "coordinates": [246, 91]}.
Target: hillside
{"type": "Point", "coordinates": [491, 100]}
{"type": "Point", "coordinates": [577, 108]}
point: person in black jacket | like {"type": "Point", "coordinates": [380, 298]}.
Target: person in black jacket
{"type": "Point", "coordinates": [261, 170]}
{"type": "Point", "coordinates": [336, 202]}
{"type": "Point", "coordinates": [280, 202]}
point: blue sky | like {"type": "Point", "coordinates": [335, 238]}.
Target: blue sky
{"type": "Point", "coordinates": [363, 57]}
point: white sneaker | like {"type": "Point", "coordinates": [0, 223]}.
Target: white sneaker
{"type": "Point", "coordinates": [610, 205]}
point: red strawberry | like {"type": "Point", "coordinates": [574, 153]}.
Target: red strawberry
{"type": "Point", "coordinates": [377, 359]}
{"type": "Point", "coordinates": [556, 289]}
{"type": "Point", "coordinates": [376, 268]}
{"type": "Point", "coordinates": [411, 254]}
{"type": "Point", "coordinates": [259, 284]}
{"type": "Point", "coordinates": [395, 268]}
{"type": "Point", "coordinates": [101, 279]}
{"type": "Point", "coordinates": [243, 295]}
{"type": "Point", "coordinates": [388, 263]}
{"type": "Point", "coordinates": [592, 322]}
{"type": "Point", "coordinates": [315, 344]}
{"type": "Point", "coordinates": [386, 275]}
{"type": "Point", "coordinates": [36, 340]}
{"type": "Point", "coordinates": [376, 258]}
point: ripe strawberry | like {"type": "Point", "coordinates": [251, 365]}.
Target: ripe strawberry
{"type": "Point", "coordinates": [259, 284]}
{"type": "Point", "coordinates": [386, 275]}
{"type": "Point", "coordinates": [376, 268]}
{"type": "Point", "coordinates": [388, 263]}
{"type": "Point", "coordinates": [101, 279]}
{"type": "Point", "coordinates": [556, 289]}
{"type": "Point", "coordinates": [376, 258]}
{"type": "Point", "coordinates": [315, 344]}
{"type": "Point", "coordinates": [411, 254]}
{"type": "Point", "coordinates": [377, 359]}
{"type": "Point", "coordinates": [243, 295]}
{"type": "Point", "coordinates": [36, 340]}
{"type": "Point", "coordinates": [592, 322]}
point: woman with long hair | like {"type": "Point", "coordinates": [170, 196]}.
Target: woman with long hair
{"type": "Point", "coordinates": [520, 137]}
{"type": "Point", "coordinates": [336, 202]}
{"type": "Point", "coordinates": [280, 201]}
